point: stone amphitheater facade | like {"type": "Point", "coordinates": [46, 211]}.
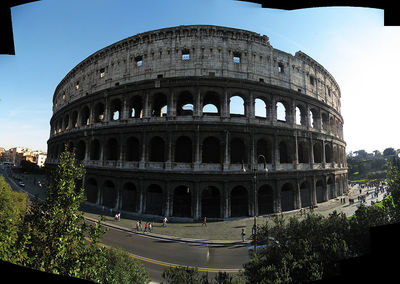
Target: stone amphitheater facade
{"type": "Point", "coordinates": [152, 119]}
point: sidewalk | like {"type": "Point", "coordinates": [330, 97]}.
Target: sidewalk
{"type": "Point", "coordinates": [219, 232]}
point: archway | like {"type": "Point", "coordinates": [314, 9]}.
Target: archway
{"type": "Point", "coordinates": [183, 150]}
{"type": "Point", "coordinates": [239, 202]}
{"type": "Point", "coordinates": [91, 191]}
{"type": "Point", "coordinates": [287, 197]}
{"type": "Point", "coordinates": [210, 202]}
{"type": "Point", "coordinates": [157, 149]}
{"type": "Point", "coordinates": [305, 194]}
{"type": "Point", "coordinates": [320, 191]}
{"type": "Point", "coordinates": [211, 150]}
{"type": "Point", "coordinates": [109, 194]}
{"type": "Point", "coordinates": [129, 197]}
{"type": "Point", "coordinates": [154, 200]}
{"type": "Point", "coordinates": [132, 149]}
{"type": "Point", "coordinates": [182, 202]}
{"type": "Point", "coordinates": [238, 151]}
{"type": "Point", "coordinates": [265, 200]}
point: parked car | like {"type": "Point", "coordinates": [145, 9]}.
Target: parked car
{"type": "Point", "coordinates": [272, 243]}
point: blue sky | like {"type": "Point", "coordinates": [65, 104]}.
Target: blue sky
{"type": "Point", "coordinates": [52, 36]}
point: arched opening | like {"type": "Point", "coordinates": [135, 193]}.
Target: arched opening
{"type": "Point", "coordinates": [238, 151]}
{"type": "Point", "coordinates": [320, 191]}
{"type": "Point", "coordinates": [74, 119]}
{"type": "Point", "coordinates": [331, 188]}
{"type": "Point", "coordinates": [332, 125]}
{"type": "Point", "coordinates": [210, 202]}
{"type": "Point", "coordinates": [157, 149]}
{"type": "Point", "coordinates": [109, 194]}
{"type": "Point", "coordinates": [305, 194]}
{"type": "Point", "coordinates": [183, 150]}
{"type": "Point", "coordinates": [112, 150]}
{"type": "Point", "coordinates": [260, 108]}
{"type": "Point", "coordinates": [66, 122]}
{"type": "Point", "coordinates": [325, 121]}
{"type": "Point", "coordinates": [313, 118]}
{"type": "Point", "coordinates": [284, 155]}
{"type": "Point", "coordinates": [298, 116]}
{"type": "Point", "coordinates": [129, 197]}
{"type": "Point", "coordinates": [99, 112]}
{"type": "Point", "coordinates": [95, 150]}
{"type": "Point", "coordinates": [303, 155]}
{"type": "Point", "coordinates": [80, 151]}
{"type": "Point", "coordinates": [159, 106]}
{"type": "Point", "coordinates": [317, 148]}
{"type": "Point", "coordinates": [115, 109]}
{"type": "Point", "coordinates": [239, 202]}
{"type": "Point", "coordinates": [236, 106]}
{"type": "Point", "coordinates": [264, 148]}
{"type": "Point", "coordinates": [184, 105]}
{"type": "Point", "coordinates": [211, 104]}
{"type": "Point", "coordinates": [154, 200]}
{"type": "Point", "coordinates": [287, 197]}
{"type": "Point", "coordinates": [328, 153]}
{"type": "Point", "coordinates": [280, 112]}
{"type": "Point", "coordinates": [182, 202]}
{"type": "Point", "coordinates": [85, 116]}
{"type": "Point", "coordinates": [136, 107]}
{"type": "Point", "coordinates": [211, 150]}
{"type": "Point", "coordinates": [265, 200]}
{"type": "Point", "coordinates": [91, 190]}
{"type": "Point", "coordinates": [132, 149]}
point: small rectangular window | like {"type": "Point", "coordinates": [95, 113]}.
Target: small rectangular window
{"type": "Point", "coordinates": [102, 72]}
{"type": "Point", "coordinates": [77, 85]}
{"type": "Point", "coordinates": [261, 80]}
{"type": "Point", "coordinates": [312, 80]}
{"type": "Point", "coordinates": [185, 54]}
{"type": "Point", "coordinates": [280, 67]}
{"type": "Point", "coordinates": [159, 76]}
{"type": "Point", "coordinates": [236, 57]}
{"type": "Point", "coordinates": [139, 61]}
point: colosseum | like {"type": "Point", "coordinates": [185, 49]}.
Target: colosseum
{"type": "Point", "coordinates": [201, 120]}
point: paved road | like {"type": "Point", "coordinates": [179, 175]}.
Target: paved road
{"type": "Point", "coordinates": [157, 254]}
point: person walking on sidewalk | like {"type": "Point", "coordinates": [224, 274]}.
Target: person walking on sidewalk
{"type": "Point", "coordinates": [165, 222]}
{"type": "Point", "coordinates": [242, 235]}
{"type": "Point", "coordinates": [204, 222]}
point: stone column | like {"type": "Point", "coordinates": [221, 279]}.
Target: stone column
{"type": "Point", "coordinates": [227, 151]}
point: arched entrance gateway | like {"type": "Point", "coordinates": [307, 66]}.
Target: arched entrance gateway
{"type": "Point", "coordinates": [109, 194]}
{"type": "Point", "coordinates": [265, 200]}
{"type": "Point", "coordinates": [239, 202]}
{"type": "Point", "coordinates": [129, 198]}
{"type": "Point", "coordinates": [287, 197]}
{"type": "Point", "coordinates": [210, 202]}
{"type": "Point", "coordinates": [305, 194]}
{"type": "Point", "coordinates": [154, 200]}
{"type": "Point", "coordinates": [91, 190]}
{"type": "Point", "coordinates": [182, 202]}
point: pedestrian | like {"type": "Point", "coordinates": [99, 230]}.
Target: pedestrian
{"type": "Point", "coordinates": [140, 225]}
{"type": "Point", "coordinates": [150, 227]}
{"type": "Point", "coordinates": [146, 227]}
{"type": "Point", "coordinates": [204, 222]}
{"type": "Point", "coordinates": [243, 234]}
{"type": "Point", "coordinates": [137, 225]}
{"type": "Point", "coordinates": [165, 222]}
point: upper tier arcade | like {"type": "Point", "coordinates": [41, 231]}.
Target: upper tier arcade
{"type": "Point", "coordinates": [198, 50]}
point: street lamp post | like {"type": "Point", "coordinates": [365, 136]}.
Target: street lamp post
{"type": "Point", "coordinates": [255, 169]}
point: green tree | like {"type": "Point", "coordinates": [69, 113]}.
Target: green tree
{"type": "Point", "coordinates": [12, 212]}
{"type": "Point", "coordinates": [389, 152]}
